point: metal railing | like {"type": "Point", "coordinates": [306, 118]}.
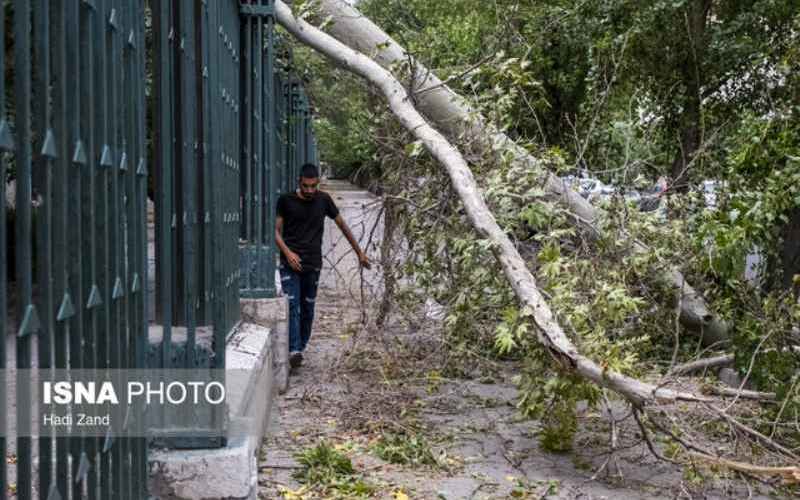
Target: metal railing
{"type": "Point", "coordinates": [279, 139]}
{"type": "Point", "coordinates": [225, 139]}
{"type": "Point", "coordinates": [298, 125]}
{"type": "Point", "coordinates": [259, 174]}
{"type": "Point", "coordinates": [229, 126]}
{"type": "Point", "coordinates": [197, 146]}
{"type": "Point", "coordinates": [72, 136]}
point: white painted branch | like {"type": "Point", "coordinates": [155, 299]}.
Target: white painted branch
{"type": "Point", "coordinates": [549, 333]}
{"type": "Point", "coordinates": [454, 116]}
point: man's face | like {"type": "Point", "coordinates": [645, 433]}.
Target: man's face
{"type": "Point", "coordinates": [308, 187]}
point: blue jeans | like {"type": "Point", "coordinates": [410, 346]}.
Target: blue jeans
{"type": "Point", "coordinates": [301, 288]}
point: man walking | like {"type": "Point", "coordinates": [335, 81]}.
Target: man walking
{"type": "Point", "coordinates": [299, 226]}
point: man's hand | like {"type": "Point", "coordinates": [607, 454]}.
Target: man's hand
{"type": "Point", "coordinates": [292, 258]}
{"type": "Point", "coordinates": [363, 260]}
{"type": "Point", "coordinates": [294, 261]}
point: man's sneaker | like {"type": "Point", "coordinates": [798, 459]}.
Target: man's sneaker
{"type": "Point", "coordinates": [295, 359]}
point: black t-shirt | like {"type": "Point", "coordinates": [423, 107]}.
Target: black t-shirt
{"type": "Point", "coordinates": [303, 224]}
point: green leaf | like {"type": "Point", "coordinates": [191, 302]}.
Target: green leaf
{"type": "Point", "coordinates": [414, 149]}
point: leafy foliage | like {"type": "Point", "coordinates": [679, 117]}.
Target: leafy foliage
{"type": "Point", "coordinates": [626, 91]}
{"type": "Point", "coordinates": [763, 178]}
{"type": "Point", "coordinates": [331, 471]}
{"type": "Point", "coordinates": [405, 448]}
{"type": "Point", "coordinates": [343, 122]}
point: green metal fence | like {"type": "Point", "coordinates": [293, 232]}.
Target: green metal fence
{"type": "Point", "coordinates": [226, 144]}
{"type": "Point", "coordinates": [279, 139]}
{"type": "Point", "coordinates": [229, 125]}
{"type": "Point", "coordinates": [72, 136]}
{"type": "Point", "coordinates": [259, 150]}
{"type": "Point", "coordinates": [198, 141]}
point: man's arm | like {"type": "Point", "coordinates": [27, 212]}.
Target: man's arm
{"type": "Point", "coordinates": [362, 257]}
{"type": "Point", "coordinates": [292, 258]}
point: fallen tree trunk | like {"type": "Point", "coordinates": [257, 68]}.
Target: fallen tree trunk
{"type": "Point", "coordinates": [549, 332]}
{"type": "Point", "coordinates": [453, 115]}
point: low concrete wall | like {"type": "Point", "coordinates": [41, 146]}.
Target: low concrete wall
{"type": "Point", "coordinates": [232, 472]}
{"type": "Point", "coordinates": [275, 314]}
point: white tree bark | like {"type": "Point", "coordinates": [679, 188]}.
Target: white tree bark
{"type": "Point", "coordinates": [549, 333]}
{"type": "Point", "coordinates": [454, 116]}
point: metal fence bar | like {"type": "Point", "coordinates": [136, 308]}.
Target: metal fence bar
{"type": "Point", "coordinates": [127, 461]}
{"type": "Point", "coordinates": [139, 253]}
{"type": "Point", "coordinates": [105, 161]}
{"type": "Point", "coordinates": [246, 126]}
{"type": "Point", "coordinates": [6, 146]}
{"type": "Point", "coordinates": [112, 448]}
{"type": "Point", "coordinates": [217, 155]}
{"type": "Point", "coordinates": [164, 161]}
{"type": "Point", "coordinates": [257, 280]}
{"type": "Point", "coordinates": [45, 153]}
{"type": "Point", "coordinates": [291, 116]}
{"type": "Point", "coordinates": [108, 219]}
{"type": "Point", "coordinates": [233, 270]}
{"type": "Point", "coordinates": [301, 126]}
{"type": "Point", "coordinates": [280, 134]}
{"type": "Point", "coordinates": [126, 474]}
{"type": "Point", "coordinates": [85, 473]}
{"type": "Point", "coordinates": [26, 310]}
{"type": "Point", "coordinates": [80, 254]}
{"type": "Point", "coordinates": [205, 34]}
{"type": "Point", "coordinates": [188, 176]}
{"type": "Point", "coordinates": [297, 145]}
{"type": "Point", "coordinates": [216, 107]}
{"type": "Point", "coordinates": [233, 287]}
{"type": "Point", "coordinates": [272, 157]}
{"type": "Point", "coordinates": [63, 108]}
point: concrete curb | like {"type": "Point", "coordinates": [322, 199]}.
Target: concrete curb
{"type": "Point", "coordinates": [232, 472]}
{"type": "Point", "coordinates": [275, 313]}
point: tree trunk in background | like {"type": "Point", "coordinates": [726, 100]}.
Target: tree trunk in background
{"type": "Point", "coordinates": [691, 117]}
{"type": "Point", "coordinates": [453, 115]}
{"type": "Point", "coordinates": [388, 250]}
{"type": "Point", "coordinates": [690, 140]}
{"type": "Point", "coordinates": [782, 268]}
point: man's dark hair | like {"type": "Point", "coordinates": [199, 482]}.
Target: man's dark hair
{"type": "Point", "coordinates": [309, 171]}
